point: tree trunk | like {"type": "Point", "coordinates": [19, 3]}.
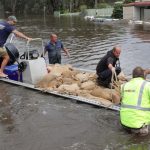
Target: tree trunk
{"type": "Point", "coordinates": [14, 6]}
{"type": "Point", "coordinates": [95, 4]}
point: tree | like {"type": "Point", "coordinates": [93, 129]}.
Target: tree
{"type": "Point", "coordinates": [128, 1]}
{"type": "Point", "coordinates": [37, 6]}
{"type": "Point", "coordinates": [118, 11]}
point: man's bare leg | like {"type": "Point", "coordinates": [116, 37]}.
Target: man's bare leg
{"type": "Point", "coordinates": [4, 63]}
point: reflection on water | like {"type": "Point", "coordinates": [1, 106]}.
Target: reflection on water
{"type": "Point", "coordinates": [32, 120]}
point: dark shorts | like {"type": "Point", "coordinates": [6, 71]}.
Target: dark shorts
{"type": "Point", "coordinates": [55, 59]}
{"type": "Point", "coordinates": [104, 77]}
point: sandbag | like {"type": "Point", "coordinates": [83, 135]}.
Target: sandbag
{"type": "Point", "coordinates": [109, 94]}
{"type": "Point", "coordinates": [46, 81]}
{"type": "Point", "coordinates": [70, 81]}
{"type": "Point", "coordinates": [82, 77]}
{"type": "Point", "coordinates": [55, 83]}
{"type": "Point", "coordinates": [121, 76]}
{"type": "Point", "coordinates": [102, 93]}
{"type": "Point", "coordinates": [105, 102]}
{"type": "Point", "coordinates": [70, 89]}
{"type": "Point", "coordinates": [58, 69]}
{"type": "Point", "coordinates": [89, 85]}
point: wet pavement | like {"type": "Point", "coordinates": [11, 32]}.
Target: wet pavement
{"type": "Point", "coordinates": [31, 120]}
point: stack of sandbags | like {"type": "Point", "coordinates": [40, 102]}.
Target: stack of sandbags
{"type": "Point", "coordinates": [67, 80]}
{"type": "Point", "coordinates": [58, 74]}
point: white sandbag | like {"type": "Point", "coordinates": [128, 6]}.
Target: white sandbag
{"type": "Point", "coordinates": [69, 73]}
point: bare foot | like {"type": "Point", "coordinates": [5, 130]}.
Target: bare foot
{"type": "Point", "coordinates": [3, 75]}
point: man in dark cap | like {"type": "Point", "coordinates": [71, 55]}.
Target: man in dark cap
{"type": "Point", "coordinates": [6, 28]}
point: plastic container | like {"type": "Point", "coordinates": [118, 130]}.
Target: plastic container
{"type": "Point", "coordinates": [13, 73]}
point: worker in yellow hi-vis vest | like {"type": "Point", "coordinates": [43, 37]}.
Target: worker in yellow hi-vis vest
{"type": "Point", "coordinates": [135, 105]}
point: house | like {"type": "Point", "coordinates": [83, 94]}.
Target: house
{"type": "Point", "coordinates": [139, 10]}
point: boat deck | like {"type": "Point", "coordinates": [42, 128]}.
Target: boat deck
{"type": "Point", "coordinates": [77, 98]}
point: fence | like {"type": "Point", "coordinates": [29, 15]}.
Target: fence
{"type": "Point", "coordinates": [104, 12]}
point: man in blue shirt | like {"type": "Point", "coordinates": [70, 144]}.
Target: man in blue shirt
{"type": "Point", "coordinates": [6, 28]}
{"type": "Point", "coordinates": [54, 47]}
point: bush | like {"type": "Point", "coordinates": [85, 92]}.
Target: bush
{"type": "Point", "coordinates": [118, 11]}
{"type": "Point", "coordinates": [103, 5]}
{"type": "Point", "coordinates": [128, 1]}
{"type": "Point", "coordinates": [64, 11]}
{"type": "Point", "coordinates": [83, 8]}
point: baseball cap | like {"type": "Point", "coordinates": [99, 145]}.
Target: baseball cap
{"type": "Point", "coordinates": [12, 18]}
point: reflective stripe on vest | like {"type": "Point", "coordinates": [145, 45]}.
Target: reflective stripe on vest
{"type": "Point", "coordinates": [138, 106]}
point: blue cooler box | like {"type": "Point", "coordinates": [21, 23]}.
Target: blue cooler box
{"type": "Point", "coordinates": [13, 73]}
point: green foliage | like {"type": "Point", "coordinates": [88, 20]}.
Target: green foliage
{"type": "Point", "coordinates": [64, 11]}
{"type": "Point", "coordinates": [103, 5]}
{"type": "Point", "coordinates": [37, 6]}
{"type": "Point", "coordinates": [83, 7]}
{"type": "Point", "coordinates": [83, 10]}
{"type": "Point", "coordinates": [118, 11]}
{"type": "Point", "coordinates": [128, 1]}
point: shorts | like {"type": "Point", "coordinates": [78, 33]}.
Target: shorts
{"type": "Point", "coordinates": [2, 52]}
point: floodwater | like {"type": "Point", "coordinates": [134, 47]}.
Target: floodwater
{"type": "Point", "coordinates": [30, 120]}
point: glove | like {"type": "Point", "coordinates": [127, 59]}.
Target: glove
{"type": "Point", "coordinates": [113, 70]}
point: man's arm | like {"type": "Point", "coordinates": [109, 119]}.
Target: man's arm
{"type": "Point", "coordinates": [46, 48]}
{"type": "Point", "coordinates": [110, 66]}
{"type": "Point", "coordinates": [45, 51]}
{"type": "Point", "coordinates": [66, 51]}
{"type": "Point", "coordinates": [19, 34]}
{"type": "Point", "coordinates": [146, 72]}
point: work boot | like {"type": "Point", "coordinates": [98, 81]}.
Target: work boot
{"type": "Point", "coordinates": [144, 130]}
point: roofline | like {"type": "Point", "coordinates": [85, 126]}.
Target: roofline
{"type": "Point", "coordinates": [137, 4]}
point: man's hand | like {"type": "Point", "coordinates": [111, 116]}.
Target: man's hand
{"type": "Point", "coordinates": [21, 35]}
{"type": "Point", "coordinates": [68, 54]}
{"type": "Point", "coordinates": [146, 72]}
{"type": "Point", "coordinates": [29, 39]}
{"type": "Point", "coordinates": [113, 70]}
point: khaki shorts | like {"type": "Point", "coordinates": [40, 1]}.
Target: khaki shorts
{"type": "Point", "coordinates": [2, 52]}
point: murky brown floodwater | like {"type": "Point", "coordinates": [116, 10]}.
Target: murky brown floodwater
{"type": "Point", "coordinates": [30, 120]}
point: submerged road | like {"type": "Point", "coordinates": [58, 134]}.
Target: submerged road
{"type": "Point", "coordinates": [30, 120]}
